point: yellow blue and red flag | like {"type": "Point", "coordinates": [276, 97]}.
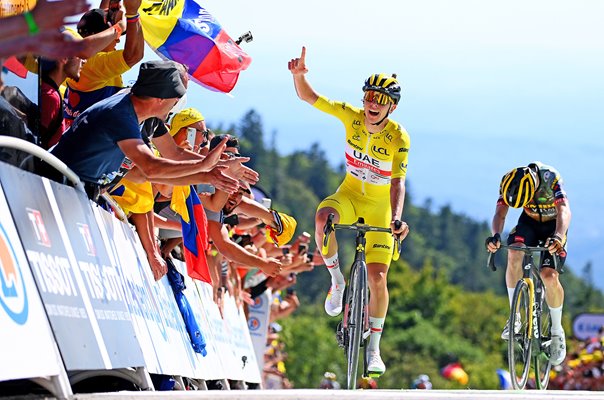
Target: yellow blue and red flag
{"type": "Point", "coordinates": [194, 234]}
{"type": "Point", "coordinates": [183, 31]}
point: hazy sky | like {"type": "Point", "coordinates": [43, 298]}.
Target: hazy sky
{"type": "Point", "coordinates": [487, 86]}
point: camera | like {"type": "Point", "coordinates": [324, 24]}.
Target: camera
{"type": "Point", "coordinates": [242, 240]}
{"type": "Point", "coordinates": [231, 220]}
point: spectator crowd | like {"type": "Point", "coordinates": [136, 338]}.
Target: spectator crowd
{"type": "Point", "coordinates": [141, 154]}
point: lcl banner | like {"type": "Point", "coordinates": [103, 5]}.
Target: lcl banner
{"type": "Point", "coordinates": [25, 334]}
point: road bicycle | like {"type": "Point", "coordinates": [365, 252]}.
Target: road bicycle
{"type": "Point", "coordinates": [352, 333]}
{"type": "Point", "coordinates": [531, 339]}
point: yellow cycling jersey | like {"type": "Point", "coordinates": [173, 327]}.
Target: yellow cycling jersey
{"type": "Point", "coordinates": [372, 159]}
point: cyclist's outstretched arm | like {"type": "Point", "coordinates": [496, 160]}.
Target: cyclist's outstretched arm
{"type": "Point", "coordinates": [297, 67]}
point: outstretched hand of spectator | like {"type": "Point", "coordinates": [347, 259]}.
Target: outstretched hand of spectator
{"type": "Point", "coordinates": [53, 45]}
{"type": "Point", "coordinates": [237, 170]}
{"type": "Point", "coordinates": [271, 267]}
{"type": "Point", "coordinates": [53, 14]}
{"type": "Point", "coordinates": [221, 181]}
{"type": "Point", "coordinates": [213, 157]}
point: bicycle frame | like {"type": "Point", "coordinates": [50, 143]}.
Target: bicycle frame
{"type": "Point", "coordinates": [536, 296]}
{"type": "Point", "coordinates": [354, 329]}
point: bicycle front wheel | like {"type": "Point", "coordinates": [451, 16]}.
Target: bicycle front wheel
{"type": "Point", "coordinates": [541, 360]}
{"type": "Point", "coordinates": [519, 343]}
{"type": "Point", "coordinates": [355, 325]}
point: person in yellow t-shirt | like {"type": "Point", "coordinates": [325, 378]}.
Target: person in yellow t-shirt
{"type": "Point", "coordinates": [101, 75]}
{"type": "Point", "coordinates": [374, 188]}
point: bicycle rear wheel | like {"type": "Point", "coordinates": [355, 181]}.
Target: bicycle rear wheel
{"type": "Point", "coordinates": [355, 324]}
{"type": "Point", "coordinates": [519, 343]}
{"type": "Point", "coordinates": [541, 360]}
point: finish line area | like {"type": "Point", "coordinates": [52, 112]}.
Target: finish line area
{"type": "Point", "coordinates": [317, 394]}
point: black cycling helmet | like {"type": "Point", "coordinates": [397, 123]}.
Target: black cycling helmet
{"type": "Point", "coordinates": [384, 83]}
{"type": "Point", "coordinates": [517, 187]}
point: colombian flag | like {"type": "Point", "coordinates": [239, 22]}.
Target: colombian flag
{"type": "Point", "coordinates": [195, 238]}
{"type": "Point", "coordinates": [183, 31]}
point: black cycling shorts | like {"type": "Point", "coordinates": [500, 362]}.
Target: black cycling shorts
{"type": "Point", "coordinates": [534, 233]}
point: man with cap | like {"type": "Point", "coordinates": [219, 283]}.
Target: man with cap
{"type": "Point", "coordinates": [96, 145]}
{"type": "Point", "coordinates": [185, 121]}
{"type": "Point", "coordinates": [101, 76]}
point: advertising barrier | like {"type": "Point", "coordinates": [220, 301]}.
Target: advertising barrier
{"type": "Point", "coordinates": [77, 295]}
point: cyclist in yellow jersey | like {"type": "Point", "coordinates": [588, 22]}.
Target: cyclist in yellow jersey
{"type": "Point", "coordinates": [374, 188]}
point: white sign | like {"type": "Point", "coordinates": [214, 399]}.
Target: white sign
{"type": "Point", "coordinates": [587, 325]}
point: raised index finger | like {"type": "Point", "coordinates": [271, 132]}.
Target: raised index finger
{"type": "Point", "coordinates": [303, 55]}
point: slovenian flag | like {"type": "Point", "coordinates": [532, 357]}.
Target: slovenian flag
{"type": "Point", "coordinates": [195, 237]}
{"type": "Point", "coordinates": [183, 31]}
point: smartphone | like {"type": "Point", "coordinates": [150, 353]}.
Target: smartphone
{"type": "Point", "coordinates": [310, 257]}
{"type": "Point", "coordinates": [266, 202]}
{"type": "Point", "coordinates": [191, 135]}
{"type": "Point", "coordinates": [302, 248]}
{"type": "Point", "coordinates": [231, 220]}
{"type": "Point", "coordinates": [285, 250]}
{"type": "Point", "coordinates": [290, 291]}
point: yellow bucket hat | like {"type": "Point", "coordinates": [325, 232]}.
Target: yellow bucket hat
{"type": "Point", "coordinates": [286, 227]}
{"type": "Point", "coordinates": [184, 118]}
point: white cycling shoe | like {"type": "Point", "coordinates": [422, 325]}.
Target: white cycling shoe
{"type": "Point", "coordinates": [333, 302]}
{"type": "Point", "coordinates": [505, 335]}
{"type": "Point", "coordinates": [375, 365]}
{"type": "Point", "coordinates": [558, 348]}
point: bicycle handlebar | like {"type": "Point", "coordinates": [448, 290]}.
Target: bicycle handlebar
{"type": "Point", "coordinates": [359, 226]}
{"type": "Point", "coordinates": [524, 249]}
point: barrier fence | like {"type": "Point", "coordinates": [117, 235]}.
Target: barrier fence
{"type": "Point", "coordinates": [77, 299]}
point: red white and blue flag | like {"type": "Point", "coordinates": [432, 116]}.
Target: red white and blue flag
{"type": "Point", "coordinates": [183, 31]}
{"type": "Point", "coordinates": [195, 239]}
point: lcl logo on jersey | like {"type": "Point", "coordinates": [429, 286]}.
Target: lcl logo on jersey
{"type": "Point", "coordinates": [380, 152]}
{"type": "Point", "coordinates": [35, 217]}
{"type": "Point", "coordinates": [13, 297]}
{"type": "Point", "coordinates": [85, 232]}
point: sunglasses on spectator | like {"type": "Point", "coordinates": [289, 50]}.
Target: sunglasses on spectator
{"type": "Point", "coordinates": [371, 96]}
{"type": "Point", "coordinates": [231, 154]}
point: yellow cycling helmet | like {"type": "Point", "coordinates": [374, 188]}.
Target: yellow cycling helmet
{"type": "Point", "coordinates": [286, 227]}
{"type": "Point", "coordinates": [384, 83]}
{"type": "Point", "coordinates": [517, 187]}
{"type": "Point", "coordinates": [186, 117]}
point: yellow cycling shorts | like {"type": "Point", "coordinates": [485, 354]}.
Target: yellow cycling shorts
{"type": "Point", "coordinates": [376, 211]}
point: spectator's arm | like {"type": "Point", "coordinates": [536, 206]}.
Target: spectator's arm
{"type": "Point", "coordinates": [220, 236]}
{"type": "Point", "coordinates": [134, 49]}
{"type": "Point", "coordinates": [47, 15]}
{"type": "Point", "coordinates": [144, 228]}
{"type": "Point", "coordinates": [97, 42]}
